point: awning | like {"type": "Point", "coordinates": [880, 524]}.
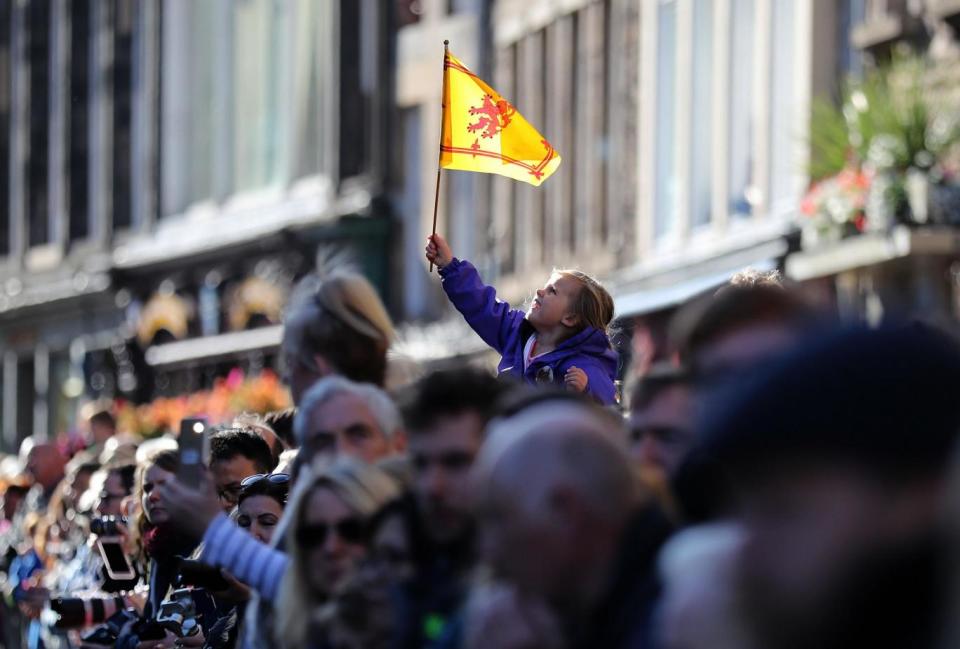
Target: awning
{"type": "Point", "coordinates": [663, 288]}
{"type": "Point", "coordinates": [208, 347]}
{"type": "Point", "coordinates": [647, 301]}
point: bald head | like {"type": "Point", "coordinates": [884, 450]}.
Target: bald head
{"type": "Point", "coordinates": [46, 464]}
{"type": "Point", "coordinates": [565, 445]}
{"type": "Point", "coordinates": [555, 488]}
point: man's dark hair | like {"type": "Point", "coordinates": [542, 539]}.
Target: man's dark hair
{"type": "Point", "coordinates": [104, 418]}
{"type": "Point", "coordinates": [227, 443]}
{"type": "Point", "coordinates": [521, 396]}
{"type": "Point", "coordinates": [736, 306]}
{"type": "Point", "coordinates": [126, 473]}
{"type": "Point", "coordinates": [449, 392]}
{"type": "Point", "coordinates": [660, 377]}
{"type": "Point", "coordinates": [281, 422]}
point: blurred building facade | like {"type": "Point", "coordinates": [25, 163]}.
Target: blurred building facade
{"type": "Point", "coordinates": [682, 128]}
{"type": "Point", "coordinates": [169, 168]}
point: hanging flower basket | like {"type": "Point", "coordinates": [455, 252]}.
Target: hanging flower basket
{"type": "Point", "coordinates": [878, 159]}
{"type": "Point", "coordinates": [835, 208]}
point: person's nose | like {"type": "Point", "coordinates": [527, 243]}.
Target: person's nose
{"type": "Point", "coordinates": [435, 482]}
{"type": "Point", "coordinates": [540, 292]}
{"type": "Point", "coordinates": [257, 532]}
{"type": "Point", "coordinates": [649, 451]}
{"type": "Point", "coordinates": [154, 495]}
{"type": "Point", "coordinates": [333, 543]}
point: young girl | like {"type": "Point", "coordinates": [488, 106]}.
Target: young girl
{"type": "Point", "coordinates": [562, 337]}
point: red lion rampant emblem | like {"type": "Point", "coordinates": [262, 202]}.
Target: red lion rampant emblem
{"type": "Point", "coordinates": [493, 116]}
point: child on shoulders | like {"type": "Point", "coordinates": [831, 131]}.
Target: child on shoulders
{"type": "Point", "coordinates": [562, 337]}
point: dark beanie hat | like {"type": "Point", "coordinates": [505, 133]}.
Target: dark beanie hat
{"type": "Point", "coordinates": [885, 401]}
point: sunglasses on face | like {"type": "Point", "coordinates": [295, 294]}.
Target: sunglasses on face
{"type": "Point", "coordinates": [452, 461]}
{"type": "Point", "coordinates": [349, 530]}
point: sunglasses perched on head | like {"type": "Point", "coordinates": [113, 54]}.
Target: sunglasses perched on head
{"type": "Point", "coordinates": [265, 483]}
{"type": "Point", "coordinates": [272, 478]}
{"type": "Point", "coordinates": [350, 530]}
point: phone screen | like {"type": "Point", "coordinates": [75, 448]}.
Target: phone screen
{"type": "Point", "coordinates": [114, 558]}
{"type": "Point", "coordinates": [193, 450]}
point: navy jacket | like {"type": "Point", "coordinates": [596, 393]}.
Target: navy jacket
{"type": "Point", "coordinates": [507, 331]}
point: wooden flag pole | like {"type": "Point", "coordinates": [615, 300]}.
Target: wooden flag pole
{"type": "Point", "coordinates": [443, 117]}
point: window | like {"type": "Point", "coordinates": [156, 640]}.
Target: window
{"type": "Point", "coordinates": [309, 84]}
{"type": "Point", "coordinates": [742, 119]}
{"type": "Point", "coordinates": [247, 96]}
{"type": "Point", "coordinates": [25, 394]}
{"type": "Point", "coordinates": [122, 86]}
{"type": "Point", "coordinates": [354, 102]}
{"type": "Point", "coordinates": [410, 206]}
{"type": "Point", "coordinates": [701, 114]}
{"type": "Point", "coordinates": [851, 14]}
{"type": "Point", "coordinates": [38, 116]}
{"type": "Point", "coordinates": [784, 116]}
{"type": "Point", "coordinates": [6, 15]}
{"type": "Point", "coordinates": [665, 217]}
{"type": "Point", "coordinates": [254, 102]}
{"type": "Point", "coordinates": [545, 120]}
{"type": "Point", "coordinates": [78, 75]}
{"type": "Point", "coordinates": [603, 137]}
{"type": "Point", "coordinates": [573, 123]}
{"type": "Point", "coordinates": [511, 263]}
{"type": "Point", "coordinates": [59, 405]}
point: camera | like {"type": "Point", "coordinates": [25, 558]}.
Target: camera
{"type": "Point", "coordinates": [200, 575]}
{"type": "Point", "coordinates": [178, 614]}
{"type": "Point", "coordinates": [74, 612]}
{"type": "Point", "coordinates": [106, 525]}
{"type": "Point", "coordinates": [107, 633]}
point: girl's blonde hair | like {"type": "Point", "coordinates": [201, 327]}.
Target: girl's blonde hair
{"type": "Point", "coordinates": [593, 305]}
{"type": "Point", "coordinates": [364, 489]}
{"type": "Point", "coordinates": [340, 316]}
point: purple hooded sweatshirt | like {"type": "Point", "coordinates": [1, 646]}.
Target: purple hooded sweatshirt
{"type": "Point", "coordinates": [507, 331]}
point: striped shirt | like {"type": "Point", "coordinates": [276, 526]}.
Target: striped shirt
{"type": "Point", "coordinates": [257, 565]}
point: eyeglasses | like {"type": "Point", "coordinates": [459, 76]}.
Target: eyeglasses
{"type": "Point", "coordinates": [350, 530]}
{"type": "Point", "coordinates": [229, 494]}
{"type": "Point", "coordinates": [452, 461]}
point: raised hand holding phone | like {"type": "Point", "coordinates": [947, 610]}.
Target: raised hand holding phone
{"type": "Point", "coordinates": [194, 445]}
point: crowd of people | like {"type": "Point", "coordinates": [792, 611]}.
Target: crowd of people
{"type": "Point", "coordinates": [768, 479]}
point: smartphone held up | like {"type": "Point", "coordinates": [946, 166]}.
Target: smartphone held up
{"type": "Point", "coordinates": [194, 445]}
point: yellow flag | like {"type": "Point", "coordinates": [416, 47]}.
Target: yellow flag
{"type": "Point", "coordinates": [483, 132]}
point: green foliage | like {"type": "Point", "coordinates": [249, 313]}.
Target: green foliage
{"type": "Point", "coordinates": [884, 121]}
{"type": "Point", "coordinates": [829, 141]}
